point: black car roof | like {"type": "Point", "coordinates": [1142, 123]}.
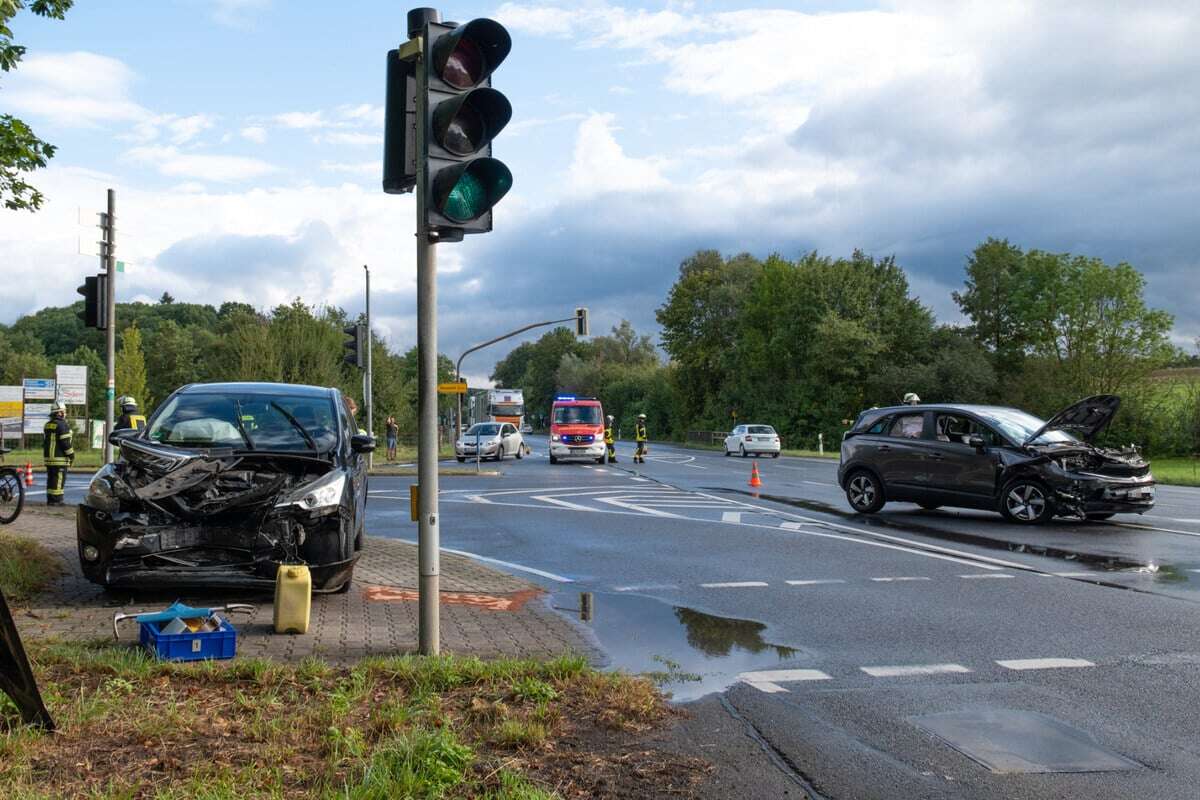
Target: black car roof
{"type": "Point", "coordinates": [258, 387]}
{"type": "Point", "coordinates": [975, 409]}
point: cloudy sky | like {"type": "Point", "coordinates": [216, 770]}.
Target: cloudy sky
{"type": "Point", "coordinates": [244, 140]}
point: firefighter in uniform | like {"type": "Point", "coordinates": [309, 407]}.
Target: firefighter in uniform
{"type": "Point", "coordinates": [639, 435]}
{"type": "Point", "coordinates": [610, 441]}
{"type": "Point", "coordinates": [57, 453]}
{"type": "Point", "coordinates": [130, 418]}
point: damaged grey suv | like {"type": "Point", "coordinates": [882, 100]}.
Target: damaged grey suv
{"type": "Point", "coordinates": [226, 482]}
{"type": "Point", "coordinates": [994, 458]}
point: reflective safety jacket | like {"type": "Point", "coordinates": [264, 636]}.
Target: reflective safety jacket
{"type": "Point", "coordinates": [608, 436]}
{"type": "Point", "coordinates": [56, 443]}
{"type": "Point", "coordinates": [135, 421]}
{"type": "Point", "coordinates": [639, 432]}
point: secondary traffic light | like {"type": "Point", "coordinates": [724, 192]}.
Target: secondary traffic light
{"type": "Point", "coordinates": [399, 126]}
{"type": "Point", "coordinates": [581, 322]}
{"type": "Point", "coordinates": [356, 345]}
{"type": "Point", "coordinates": [95, 301]}
{"type": "Point", "coordinates": [462, 116]}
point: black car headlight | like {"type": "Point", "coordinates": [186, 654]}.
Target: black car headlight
{"type": "Point", "coordinates": [322, 494]}
{"type": "Point", "coordinates": [106, 490]}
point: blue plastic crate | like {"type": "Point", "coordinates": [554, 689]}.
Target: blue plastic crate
{"type": "Point", "coordinates": [189, 646]}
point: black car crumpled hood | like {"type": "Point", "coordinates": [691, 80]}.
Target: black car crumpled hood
{"type": "Point", "coordinates": [1085, 418]}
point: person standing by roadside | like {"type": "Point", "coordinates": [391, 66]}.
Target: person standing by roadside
{"type": "Point", "coordinates": [639, 435]}
{"type": "Point", "coordinates": [57, 453]}
{"type": "Point", "coordinates": [393, 435]}
{"type": "Point", "coordinates": [610, 441]}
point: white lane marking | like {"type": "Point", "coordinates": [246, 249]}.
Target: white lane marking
{"type": "Point", "coordinates": [636, 478]}
{"type": "Point", "coordinates": [819, 483]}
{"type": "Point", "coordinates": [731, 516]}
{"type": "Point", "coordinates": [564, 503]}
{"type": "Point", "coordinates": [783, 676]}
{"type": "Point", "coordinates": [766, 686]}
{"type": "Point", "coordinates": [475, 498]}
{"type": "Point", "coordinates": [795, 526]}
{"type": "Point", "coordinates": [733, 585]}
{"type": "Point", "coordinates": [901, 578]}
{"type": "Point", "coordinates": [521, 491]}
{"type": "Point", "coordinates": [988, 575]}
{"type": "Point", "coordinates": [508, 564]}
{"type": "Point", "coordinates": [1135, 526]}
{"type": "Point", "coordinates": [645, 587]}
{"type": "Point", "coordinates": [600, 469]}
{"type": "Point", "coordinates": [617, 501]}
{"type": "Point", "coordinates": [1179, 519]}
{"type": "Point", "coordinates": [814, 582]}
{"type": "Point", "coordinates": [1073, 574]}
{"type": "Point", "coordinates": [1045, 663]}
{"type": "Point", "coordinates": [913, 669]}
{"type": "Point", "coordinates": [1194, 570]}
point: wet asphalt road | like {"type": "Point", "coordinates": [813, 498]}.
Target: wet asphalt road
{"type": "Point", "coordinates": [839, 639]}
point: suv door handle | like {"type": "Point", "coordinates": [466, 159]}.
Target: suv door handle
{"type": "Point", "coordinates": [883, 448]}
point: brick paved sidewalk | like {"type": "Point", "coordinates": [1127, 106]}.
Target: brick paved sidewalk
{"type": "Point", "coordinates": [485, 612]}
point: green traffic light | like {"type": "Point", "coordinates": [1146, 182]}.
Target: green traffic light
{"type": "Point", "coordinates": [467, 192]}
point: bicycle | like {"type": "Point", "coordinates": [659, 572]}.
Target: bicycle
{"type": "Point", "coordinates": [12, 492]}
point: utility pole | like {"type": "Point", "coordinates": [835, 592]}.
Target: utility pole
{"type": "Point", "coordinates": [108, 262]}
{"type": "Point", "coordinates": [369, 376]}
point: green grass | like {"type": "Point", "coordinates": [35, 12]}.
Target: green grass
{"type": "Point", "coordinates": [25, 567]}
{"type": "Point", "coordinates": [403, 727]}
{"type": "Point", "coordinates": [1176, 471]}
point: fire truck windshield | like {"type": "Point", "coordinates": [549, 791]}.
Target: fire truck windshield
{"type": "Point", "coordinates": [577, 415]}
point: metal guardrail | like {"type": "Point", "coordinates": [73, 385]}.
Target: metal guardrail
{"type": "Point", "coordinates": [705, 437]}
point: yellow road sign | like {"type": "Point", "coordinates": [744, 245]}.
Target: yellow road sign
{"type": "Point", "coordinates": [453, 388]}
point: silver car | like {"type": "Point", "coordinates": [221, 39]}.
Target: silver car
{"type": "Point", "coordinates": [494, 440]}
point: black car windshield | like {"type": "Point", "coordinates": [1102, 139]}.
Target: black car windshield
{"type": "Point", "coordinates": [247, 421]}
{"type": "Point", "coordinates": [483, 429]}
{"type": "Point", "coordinates": [1018, 426]}
{"type": "Point", "coordinates": [577, 415]}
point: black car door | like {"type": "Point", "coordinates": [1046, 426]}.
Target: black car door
{"type": "Point", "coordinates": [900, 455]}
{"type": "Point", "coordinates": [957, 471]}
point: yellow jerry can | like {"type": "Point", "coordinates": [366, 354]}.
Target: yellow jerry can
{"type": "Point", "coordinates": [293, 598]}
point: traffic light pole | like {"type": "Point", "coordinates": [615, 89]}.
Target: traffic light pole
{"type": "Point", "coordinates": [369, 376]}
{"type": "Point", "coordinates": [428, 534]}
{"type": "Point", "coordinates": [110, 334]}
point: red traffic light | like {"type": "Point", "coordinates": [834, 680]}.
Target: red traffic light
{"type": "Point", "coordinates": [466, 56]}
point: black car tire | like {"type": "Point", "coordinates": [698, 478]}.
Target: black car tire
{"type": "Point", "coordinates": [774, 455]}
{"type": "Point", "coordinates": [553, 459]}
{"type": "Point", "coordinates": [520, 452]}
{"type": "Point", "coordinates": [742, 450]}
{"type": "Point", "coordinates": [1026, 502]}
{"type": "Point", "coordinates": [461, 459]}
{"type": "Point", "coordinates": [864, 492]}
{"type": "Point", "coordinates": [726, 451]}
{"type": "Point", "coordinates": [1098, 517]}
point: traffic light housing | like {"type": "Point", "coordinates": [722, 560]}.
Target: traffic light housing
{"type": "Point", "coordinates": [356, 345]}
{"type": "Point", "coordinates": [581, 322]}
{"type": "Point", "coordinates": [400, 126]}
{"type": "Point", "coordinates": [463, 114]}
{"type": "Point", "coordinates": [95, 301]}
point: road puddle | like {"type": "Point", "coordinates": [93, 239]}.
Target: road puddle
{"type": "Point", "coordinates": [688, 652]}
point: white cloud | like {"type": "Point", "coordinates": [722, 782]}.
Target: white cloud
{"type": "Point", "coordinates": [354, 138]}
{"type": "Point", "coordinates": [600, 165]}
{"type": "Point", "coordinates": [236, 13]}
{"type": "Point", "coordinates": [300, 120]}
{"type": "Point", "coordinates": [74, 90]}
{"type": "Point", "coordinates": [205, 166]}
{"type": "Point", "coordinates": [255, 133]}
{"type": "Point", "coordinates": [354, 168]}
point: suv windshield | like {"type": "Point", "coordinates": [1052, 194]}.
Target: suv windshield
{"type": "Point", "coordinates": [247, 422]}
{"type": "Point", "coordinates": [1019, 426]}
{"type": "Point", "coordinates": [488, 429]}
{"type": "Point", "coordinates": [577, 415]}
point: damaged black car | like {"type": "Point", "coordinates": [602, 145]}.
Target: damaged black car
{"type": "Point", "coordinates": [226, 482]}
{"type": "Point", "coordinates": [994, 458]}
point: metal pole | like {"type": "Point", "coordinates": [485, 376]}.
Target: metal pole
{"type": "Point", "coordinates": [369, 391]}
{"type": "Point", "coordinates": [109, 261]}
{"type": "Point", "coordinates": [428, 633]}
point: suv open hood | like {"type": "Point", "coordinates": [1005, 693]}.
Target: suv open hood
{"type": "Point", "coordinates": [1086, 418]}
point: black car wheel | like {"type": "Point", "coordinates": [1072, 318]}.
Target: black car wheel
{"type": "Point", "coordinates": [553, 459]}
{"type": "Point", "coordinates": [742, 450]}
{"type": "Point", "coordinates": [865, 493]}
{"type": "Point", "coordinates": [461, 459]}
{"type": "Point", "coordinates": [1026, 502]}
{"type": "Point", "coordinates": [774, 455]}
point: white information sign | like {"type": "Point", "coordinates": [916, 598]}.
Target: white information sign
{"type": "Point", "coordinates": [36, 415]}
{"type": "Point", "coordinates": [72, 384]}
{"type": "Point", "coordinates": [39, 388]}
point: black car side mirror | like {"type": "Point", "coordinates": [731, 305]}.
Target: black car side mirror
{"type": "Point", "coordinates": [362, 443]}
{"type": "Point", "coordinates": [125, 433]}
{"type": "Point", "coordinates": [977, 442]}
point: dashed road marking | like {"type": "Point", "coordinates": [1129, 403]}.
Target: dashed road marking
{"type": "Point", "coordinates": [913, 669]}
{"type": "Point", "coordinates": [783, 676]}
{"type": "Point", "coordinates": [987, 575]}
{"type": "Point", "coordinates": [731, 516]}
{"type": "Point", "coordinates": [900, 578]}
{"type": "Point", "coordinates": [1045, 663]}
{"type": "Point", "coordinates": [794, 526]}
{"type": "Point", "coordinates": [814, 582]}
{"type": "Point", "coordinates": [646, 587]}
{"type": "Point", "coordinates": [734, 585]}
{"type": "Point", "coordinates": [1071, 574]}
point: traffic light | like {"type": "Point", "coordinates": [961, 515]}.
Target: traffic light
{"type": "Point", "coordinates": [356, 345]}
{"type": "Point", "coordinates": [463, 113]}
{"type": "Point", "coordinates": [581, 322]}
{"type": "Point", "coordinates": [95, 301]}
{"type": "Point", "coordinates": [399, 126]}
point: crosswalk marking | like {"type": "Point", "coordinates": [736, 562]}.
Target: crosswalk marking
{"type": "Point", "coordinates": [913, 669]}
{"type": "Point", "coordinates": [731, 516]}
{"type": "Point", "coordinates": [783, 675]}
{"type": "Point", "coordinates": [1045, 663]}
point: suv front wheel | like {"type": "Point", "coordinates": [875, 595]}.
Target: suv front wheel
{"type": "Point", "coordinates": [1026, 502]}
{"type": "Point", "coordinates": [864, 492]}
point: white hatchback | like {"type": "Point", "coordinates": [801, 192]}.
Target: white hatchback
{"type": "Point", "coordinates": [495, 440]}
{"type": "Point", "coordinates": [757, 440]}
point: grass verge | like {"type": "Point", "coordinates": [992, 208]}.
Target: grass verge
{"type": "Point", "coordinates": [25, 567]}
{"type": "Point", "coordinates": [407, 727]}
{"type": "Point", "coordinates": [1176, 471]}
{"type": "Point", "coordinates": [84, 459]}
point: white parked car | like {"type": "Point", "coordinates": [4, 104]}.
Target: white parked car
{"type": "Point", "coordinates": [757, 440]}
{"type": "Point", "coordinates": [495, 439]}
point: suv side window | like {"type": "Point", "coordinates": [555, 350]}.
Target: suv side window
{"type": "Point", "coordinates": [881, 426]}
{"type": "Point", "coordinates": [959, 430]}
{"type": "Point", "coordinates": [908, 426]}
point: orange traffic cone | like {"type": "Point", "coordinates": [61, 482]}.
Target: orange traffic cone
{"type": "Point", "coordinates": [755, 480]}
{"type": "Point", "coordinates": [29, 474]}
